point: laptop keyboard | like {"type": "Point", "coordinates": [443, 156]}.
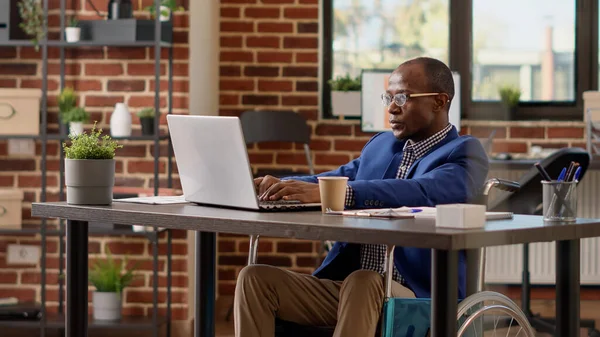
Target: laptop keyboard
{"type": "Point", "coordinates": [284, 205]}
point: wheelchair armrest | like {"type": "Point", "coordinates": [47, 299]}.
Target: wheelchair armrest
{"type": "Point", "coordinates": [501, 184]}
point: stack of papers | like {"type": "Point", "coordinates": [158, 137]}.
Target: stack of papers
{"type": "Point", "coordinates": [410, 213]}
{"type": "Point", "coordinates": [155, 200]}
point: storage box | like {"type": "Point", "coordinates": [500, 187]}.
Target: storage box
{"type": "Point", "coordinates": [20, 111]}
{"type": "Point", "coordinates": [460, 216]}
{"type": "Point", "coordinates": [10, 208]}
{"type": "Point", "coordinates": [123, 30]}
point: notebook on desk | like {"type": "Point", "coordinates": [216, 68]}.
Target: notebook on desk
{"type": "Point", "coordinates": [411, 212]}
{"type": "Point", "coordinates": [214, 167]}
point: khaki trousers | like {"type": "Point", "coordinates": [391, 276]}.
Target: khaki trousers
{"type": "Point", "coordinates": [353, 306]}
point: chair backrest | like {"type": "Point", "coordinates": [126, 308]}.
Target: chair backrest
{"type": "Point", "coordinates": [274, 126]}
{"type": "Point", "coordinates": [529, 197]}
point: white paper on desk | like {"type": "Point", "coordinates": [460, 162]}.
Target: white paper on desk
{"type": "Point", "coordinates": [155, 200]}
{"type": "Point", "coordinates": [430, 213]}
{"type": "Point", "coordinates": [401, 212]}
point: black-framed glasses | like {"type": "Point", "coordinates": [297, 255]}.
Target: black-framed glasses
{"type": "Point", "coordinates": [401, 98]}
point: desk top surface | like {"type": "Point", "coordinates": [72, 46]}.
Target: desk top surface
{"type": "Point", "coordinates": [314, 225]}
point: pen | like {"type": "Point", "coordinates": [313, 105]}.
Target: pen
{"type": "Point", "coordinates": [577, 172]}
{"type": "Point", "coordinates": [561, 176]}
{"type": "Point", "coordinates": [543, 172]}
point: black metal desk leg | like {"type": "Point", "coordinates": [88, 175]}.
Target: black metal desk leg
{"type": "Point", "coordinates": [567, 288]}
{"type": "Point", "coordinates": [444, 292]}
{"type": "Point", "coordinates": [77, 279]}
{"type": "Point", "coordinates": [204, 318]}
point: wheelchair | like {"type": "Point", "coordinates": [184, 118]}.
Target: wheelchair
{"type": "Point", "coordinates": [410, 317]}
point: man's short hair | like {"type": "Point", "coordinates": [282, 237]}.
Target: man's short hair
{"type": "Point", "coordinates": [438, 74]}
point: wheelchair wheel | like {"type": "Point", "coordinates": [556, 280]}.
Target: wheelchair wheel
{"type": "Point", "coordinates": [488, 313]}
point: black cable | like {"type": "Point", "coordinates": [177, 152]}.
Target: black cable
{"type": "Point", "coordinates": [95, 9]}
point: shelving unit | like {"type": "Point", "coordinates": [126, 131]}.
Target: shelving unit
{"type": "Point", "coordinates": [57, 321]}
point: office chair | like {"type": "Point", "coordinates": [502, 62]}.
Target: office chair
{"type": "Point", "coordinates": [529, 201]}
{"type": "Point", "coordinates": [474, 284]}
{"type": "Point", "coordinates": [277, 126]}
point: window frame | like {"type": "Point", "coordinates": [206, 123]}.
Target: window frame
{"type": "Point", "coordinates": [460, 59]}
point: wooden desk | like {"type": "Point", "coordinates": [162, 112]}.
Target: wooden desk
{"type": "Point", "coordinates": [207, 221]}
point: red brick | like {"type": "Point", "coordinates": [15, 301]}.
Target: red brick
{"type": "Point", "coordinates": [309, 2]}
{"type": "Point", "coordinates": [230, 99]}
{"type": "Point", "coordinates": [276, 86]}
{"type": "Point", "coordinates": [545, 145]}
{"type": "Point", "coordinates": [279, 261]}
{"type": "Point", "coordinates": [274, 57]}
{"type": "Point", "coordinates": [84, 85]}
{"type": "Point", "coordinates": [305, 261]}
{"type": "Point", "coordinates": [260, 100]}
{"type": "Point", "coordinates": [226, 246]}
{"type": "Point", "coordinates": [177, 281]}
{"type": "Point", "coordinates": [230, 12]}
{"type": "Point", "coordinates": [37, 84]}
{"type": "Point", "coordinates": [230, 260]}
{"type": "Point", "coordinates": [312, 86]}
{"type": "Point", "coordinates": [126, 85]}
{"type": "Point", "coordinates": [293, 71]}
{"type": "Point", "coordinates": [333, 130]}
{"type": "Point", "coordinates": [565, 132]}
{"type": "Point", "coordinates": [145, 69]}
{"type": "Point", "coordinates": [299, 100]}
{"type": "Point", "coordinates": [319, 145]}
{"type": "Point", "coordinates": [485, 131]}
{"type": "Point", "coordinates": [262, 12]}
{"type": "Point", "coordinates": [146, 296]}
{"type": "Point", "coordinates": [226, 274]}
{"type": "Point", "coordinates": [100, 4]}
{"type": "Point", "coordinates": [70, 68]}
{"type": "Point", "coordinates": [231, 41]}
{"type": "Point", "coordinates": [35, 278]}
{"type": "Point", "coordinates": [18, 69]}
{"type": "Point", "coordinates": [132, 150]}
{"type": "Point", "coordinates": [7, 181]}
{"type": "Point", "coordinates": [264, 246]}
{"type": "Point", "coordinates": [23, 294]}
{"type": "Point", "coordinates": [301, 13]}
{"type": "Point", "coordinates": [291, 158]}
{"type": "Point", "coordinates": [146, 264]}
{"type": "Point", "coordinates": [263, 71]}
{"type": "Point", "coordinates": [307, 27]}
{"type": "Point", "coordinates": [275, 146]}
{"type": "Point", "coordinates": [359, 133]}
{"type": "Point", "coordinates": [236, 56]}
{"type": "Point", "coordinates": [238, 1]}
{"type": "Point", "coordinates": [237, 85]}
{"type": "Point", "coordinates": [526, 132]}
{"type": "Point", "coordinates": [126, 53]}
{"type": "Point", "coordinates": [511, 147]}
{"type": "Point", "coordinates": [307, 57]}
{"type": "Point", "coordinates": [294, 247]}
{"type": "Point", "coordinates": [301, 42]}
{"type": "Point", "coordinates": [261, 158]}
{"type": "Point", "coordinates": [262, 42]}
{"type": "Point", "coordinates": [144, 166]}
{"type": "Point", "coordinates": [36, 181]}
{"type": "Point", "coordinates": [144, 101]}
{"type": "Point", "coordinates": [237, 26]}
{"type": "Point", "coordinates": [51, 149]}
{"type": "Point", "coordinates": [180, 69]}
{"type": "Point", "coordinates": [331, 159]}
{"type": "Point", "coordinates": [8, 53]}
{"type": "Point", "coordinates": [8, 277]}
{"type": "Point", "coordinates": [124, 248]}
{"type": "Point", "coordinates": [278, 1]}
{"type": "Point", "coordinates": [275, 27]}
{"type": "Point", "coordinates": [230, 71]}
{"type": "Point", "coordinates": [226, 289]}
{"type": "Point", "coordinates": [17, 164]}
{"type": "Point", "coordinates": [349, 145]}
{"type": "Point", "coordinates": [102, 101]}
{"type": "Point", "coordinates": [103, 69]}
{"type": "Point", "coordinates": [8, 83]}
{"type": "Point", "coordinates": [182, 86]}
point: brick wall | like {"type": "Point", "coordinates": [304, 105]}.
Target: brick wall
{"type": "Point", "coordinates": [101, 77]}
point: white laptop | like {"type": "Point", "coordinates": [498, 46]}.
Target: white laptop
{"type": "Point", "coordinates": [213, 164]}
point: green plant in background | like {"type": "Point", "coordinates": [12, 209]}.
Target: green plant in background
{"type": "Point", "coordinates": [77, 114]}
{"type": "Point", "coordinates": [146, 113]}
{"type": "Point", "coordinates": [107, 276]}
{"type": "Point", "coordinates": [345, 83]}
{"type": "Point", "coordinates": [67, 100]}
{"type": "Point", "coordinates": [73, 22]}
{"type": "Point", "coordinates": [510, 96]}
{"type": "Point", "coordinates": [33, 24]}
{"type": "Point", "coordinates": [91, 146]}
{"type": "Point", "coordinates": [170, 4]}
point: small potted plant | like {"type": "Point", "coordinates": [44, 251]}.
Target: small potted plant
{"type": "Point", "coordinates": [110, 280]}
{"type": "Point", "coordinates": [73, 32]}
{"type": "Point", "coordinates": [33, 23]}
{"type": "Point", "coordinates": [67, 102]}
{"type": "Point", "coordinates": [510, 97]}
{"type": "Point", "coordinates": [166, 8]}
{"type": "Point", "coordinates": [146, 117]}
{"type": "Point", "coordinates": [345, 96]}
{"type": "Point", "coordinates": [76, 117]}
{"type": "Point", "coordinates": [90, 168]}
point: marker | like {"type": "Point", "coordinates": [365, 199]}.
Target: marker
{"type": "Point", "coordinates": [577, 172]}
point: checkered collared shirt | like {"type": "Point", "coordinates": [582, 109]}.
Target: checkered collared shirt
{"type": "Point", "coordinates": [373, 256]}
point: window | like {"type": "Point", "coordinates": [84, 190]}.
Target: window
{"type": "Point", "coordinates": [525, 44]}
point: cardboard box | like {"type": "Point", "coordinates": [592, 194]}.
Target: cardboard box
{"type": "Point", "coordinates": [20, 111]}
{"type": "Point", "coordinates": [11, 201]}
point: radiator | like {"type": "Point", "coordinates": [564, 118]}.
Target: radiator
{"type": "Point", "coordinates": [504, 264]}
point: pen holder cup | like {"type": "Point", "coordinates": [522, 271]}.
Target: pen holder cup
{"type": "Point", "coordinates": [560, 200]}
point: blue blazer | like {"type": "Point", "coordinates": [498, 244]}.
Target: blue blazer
{"type": "Point", "coordinates": [453, 171]}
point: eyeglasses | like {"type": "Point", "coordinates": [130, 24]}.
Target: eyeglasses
{"type": "Point", "coordinates": [400, 99]}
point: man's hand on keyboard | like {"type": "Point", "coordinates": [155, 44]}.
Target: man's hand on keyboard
{"type": "Point", "coordinates": [271, 188]}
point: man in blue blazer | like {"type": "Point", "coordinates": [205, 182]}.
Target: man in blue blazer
{"type": "Point", "coordinates": [421, 162]}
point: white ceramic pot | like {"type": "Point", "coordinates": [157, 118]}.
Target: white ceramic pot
{"type": "Point", "coordinates": [107, 306]}
{"type": "Point", "coordinates": [345, 103]}
{"type": "Point", "coordinates": [120, 121]}
{"type": "Point", "coordinates": [167, 13]}
{"type": "Point", "coordinates": [73, 34]}
{"type": "Point", "coordinates": [75, 128]}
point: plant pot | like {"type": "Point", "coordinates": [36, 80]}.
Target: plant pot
{"type": "Point", "coordinates": [72, 34]}
{"type": "Point", "coordinates": [90, 181]}
{"type": "Point", "coordinates": [167, 13]}
{"type": "Point", "coordinates": [107, 306]}
{"type": "Point", "coordinates": [75, 128]}
{"type": "Point", "coordinates": [147, 126]}
{"type": "Point", "coordinates": [345, 103]}
{"type": "Point", "coordinates": [120, 121]}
